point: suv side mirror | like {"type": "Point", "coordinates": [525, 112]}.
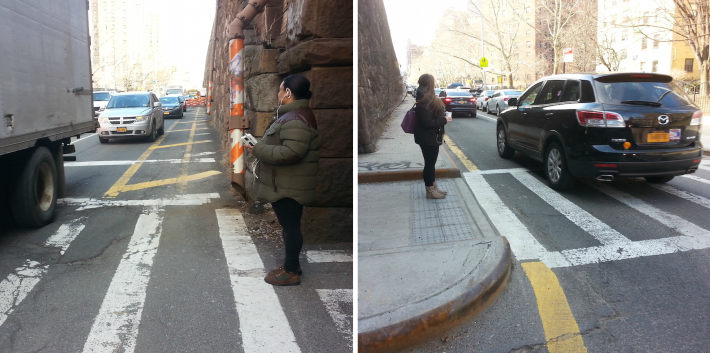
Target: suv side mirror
{"type": "Point", "coordinates": [512, 102]}
{"type": "Point", "coordinates": [156, 104]}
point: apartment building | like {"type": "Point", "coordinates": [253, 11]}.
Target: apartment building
{"type": "Point", "coordinates": [125, 43]}
{"type": "Point", "coordinates": [633, 36]}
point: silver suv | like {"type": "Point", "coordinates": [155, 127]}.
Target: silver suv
{"type": "Point", "coordinates": [131, 115]}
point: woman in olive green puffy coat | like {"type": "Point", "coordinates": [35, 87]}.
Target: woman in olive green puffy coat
{"type": "Point", "coordinates": [287, 170]}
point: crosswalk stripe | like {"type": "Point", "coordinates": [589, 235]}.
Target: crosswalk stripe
{"type": "Point", "coordinates": [315, 256]}
{"type": "Point", "coordinates": [696, 178]}
{"type": "Point", "coordinates": [115, 328]}
{"type": "Point", "coordinates": [583, 219]}
{"type": "Point", "coordinates": [680, 225]}
{"type": "Point", "coordinates": [704, 167]}
{"type": "Point", "coordinates": [702, 201]}
{"type": "Point", "coordinates": [104, 163]}
{"type": "Point", "coordinates": [332, 299]}
{"type": "Point", "coordinates": [178, 200]}
{"type": "Point", "coordinates": [262, 322]}
{"type": "Point", "coordinates": [17, 285]}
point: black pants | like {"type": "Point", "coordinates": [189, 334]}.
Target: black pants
{"type": "Point", "coordinates": [288, 212]}
{"type": "Point", "coordinates": [430, 153]}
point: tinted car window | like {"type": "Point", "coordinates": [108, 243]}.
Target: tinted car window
{"type": "Point", "coordinates": [551, 92]}
{"type": "Point", "coordinates": [129, 101]}
{"type": "Point", "coordinates": [488, 93]}
{"type": "Point", "coordinates": [529, 97]}
{"type": "Point", "coordinates": [668, 94]}
{"type": "Point", "coordinates": [513, 93]}
{"type": "Point", "coordinates": [459, 94]}
{"type": "Point", "coordinates": [571, 91]}
{"type": "Point", "coordinates": [497, 94]}
{"type": "Point", "coordinates": [104, 96]}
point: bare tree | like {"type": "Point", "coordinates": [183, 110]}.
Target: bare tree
{"type": "Point", "coordinates": [553, 18]}
{"type": "Point", "coordinates": [581, 35]}
{"type": "Point", "coordinates": [606, 54]}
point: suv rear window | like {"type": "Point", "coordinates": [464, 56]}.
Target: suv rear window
{"type": "Point", "coordinates": [458, 94]}
{"type": "Point", "coordinates": [667, 94]}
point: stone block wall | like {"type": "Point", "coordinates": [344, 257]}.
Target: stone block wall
{"type": "Point", "coordinates": [380, 87]}
{"type": "Point", "coordinates": [313, 38]}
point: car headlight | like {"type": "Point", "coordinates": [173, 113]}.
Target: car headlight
{"type": "Point", "coordinates": [103, 119]}
{"type": "Point", "coordinates": [142, 118]}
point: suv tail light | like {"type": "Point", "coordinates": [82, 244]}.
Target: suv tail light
{"type": "Point", "coordinates": [448, 100]}
{"type": "Point", "coordinates": [599, 119]}
{"type": "Point", "coordinates": [697, 118]}
{"type": "Point", "coordinates": [505, 99]}
{"type": "Point", "coordinates": [487, 98]}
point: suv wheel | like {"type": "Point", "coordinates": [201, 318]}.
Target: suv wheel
{"type": "Point", "coordinates": [484, 108]}
{"type": "Point", "coordinates": [659, 179]}
{"type": "Point", "coordinates": [556, 170]}
{"type": "Point", "coordinates": [504, 150]}
{"type": "Point", "coordinates": [153, 133]}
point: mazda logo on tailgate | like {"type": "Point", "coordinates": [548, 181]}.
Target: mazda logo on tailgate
{"type": "Point", "coordinates": [663, 119]}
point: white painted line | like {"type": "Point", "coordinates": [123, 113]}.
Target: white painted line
{"type": "Point", "coordinates": [115, 328]}
{"type": "Point", "coordinates": [680, 225]}
{"type": "Point", "coordinates": [704, 167]}
{"type": "Point", "coordinates": [178, 200]}
{"type": "Point", "coordinates": [498, 171]}
{"type": "Point", "coordinates": [583, 219]}
{"type": "Point", "coordinates": [83, 138]}
{"type": "Point", "coordinates": [104, 163]}
{"type": "Point", "coordinates": [203, 154]}
{"type": "Point", "coordinates": [262, 322]}
{"type": "Point", "coordinates": [696, 178]}
{"type": "Point", "coordinates": [478, 115]}
{"type": "Point", "coordinates": [66, 233]}
{"type": "Point", "coordinates": [206, 133]}
{"type": "Point", "coordinates": [17, 285]}
{"type": "Point", "coordinates": [522, 242]}
{"type": "Point", "coordinates": [315, 256]}
{"type": "Point", "coordinates": [343, 321]}
{"type": "Point", "coordinates": [702, 201]}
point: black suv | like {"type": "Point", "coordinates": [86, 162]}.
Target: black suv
{"type": "Point", "coordinates": [603, 126]}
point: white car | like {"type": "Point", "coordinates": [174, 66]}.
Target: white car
{"type": "Point", "coordinates": [499, 100]}
{"type": "Point", "coordinates": [482, 100]}
{"type": "Point", "coordinates": [101, 98]}
{"type": "Point", "coordinates": [131, 115]}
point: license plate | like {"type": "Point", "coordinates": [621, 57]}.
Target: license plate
{"type": "Point", "coordinates": [658, 137]}
{"type": "Point", "coordinates": [166, 113]}
{"type": "Point", "coordinates": [121, 129]}
{"type": "Point", "coordinates": [461, 102]}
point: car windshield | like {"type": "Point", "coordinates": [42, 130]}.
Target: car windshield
{"type": "Point", "coordinates": [173, 91]}
{"type": "Point", "coordinates": [129, 101]}
{"type": "Point", "coordinates": [667, 94]}
{"type": "Point", "coordinates": [103, 96]}
{"type": "Point", "coordinates": [458, 94]}
{"type": "Point", "coordinates": [169, 100]}
{"type": "Point", "coordinates": [513, 93]}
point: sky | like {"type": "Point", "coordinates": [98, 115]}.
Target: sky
{"type": "Point", "coordinates": [415, 20]}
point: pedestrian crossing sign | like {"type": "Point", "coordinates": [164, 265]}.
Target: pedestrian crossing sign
{"type": "Point", "coordinates": [484, 62]}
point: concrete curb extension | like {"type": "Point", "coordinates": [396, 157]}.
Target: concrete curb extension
{"type": "Point", "coordinates": [404, 175]}
{"type": "Point", "coordinates": [436, 321]}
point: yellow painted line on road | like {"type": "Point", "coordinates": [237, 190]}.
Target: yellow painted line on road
{"type": "Point", "coordinates": [180, 179]}
{"type": "Point", "coordinates": [461, 156]}
{"type": "Point", "coordinates": [184, 168]}
{"type": "Point", "coordinates": [123, 180]}
{"type": "Point", "coordinates": [561, 330]}
{"type": "Point", "coordinates": [181, 144]}
{"type": "Point", "coordinates": [199, 128]}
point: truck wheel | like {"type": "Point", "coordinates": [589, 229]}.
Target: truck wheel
{"type": "Point", "coordinates": [34, 197]}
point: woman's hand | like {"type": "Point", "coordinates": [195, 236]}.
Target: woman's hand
{"type": "Point", "coordinates": [248, 148]}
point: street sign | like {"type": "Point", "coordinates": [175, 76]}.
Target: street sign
{"type": "Point", "coordinates": [484, 62]}
{"type": "Point", "coordinates": [567, 55]}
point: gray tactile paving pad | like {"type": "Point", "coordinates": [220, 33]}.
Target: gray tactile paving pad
{"type": "Point", "coordinates": [438, 221]}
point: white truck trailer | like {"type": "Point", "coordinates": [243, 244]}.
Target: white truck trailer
{"type": "Point", "coordinates": [45, 99]}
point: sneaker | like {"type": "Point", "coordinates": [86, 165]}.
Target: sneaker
{"type": "Point", "coordinates": [281, 268]}
{"type": "Point", "coordinates": [279, 277]}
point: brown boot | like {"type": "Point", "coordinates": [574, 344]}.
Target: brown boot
{"type": "Point", "coordinates": [431, 193]}
{"type": "Point", "coordinates": [436, 187]}
{"type": "Point", "coordinates": [281, 268]}
{"type": "Point", "coordinates": [279, 277]}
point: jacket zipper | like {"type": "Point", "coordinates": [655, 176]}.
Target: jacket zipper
{"type": "Point", "coordinates": [273, 179]}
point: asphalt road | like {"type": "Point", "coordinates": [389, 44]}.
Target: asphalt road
{"type": "Point", "coordinates": [160, 256]}
{"type": "Point", "coordinates": [630, 259]}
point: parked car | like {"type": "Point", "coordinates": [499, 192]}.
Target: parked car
{"type": "Point", "coordinates": [604, 126]}
{"type": "Point", "coordinates": [172, 107]}
{"type": "Point", "coordinates": [458, 101]}
{"type": "Point", "coordinates": [482, 101]}
{"type": "Point", "coordinates": [437, 91]}
{"type": "Point", "coordinates": [454, 85]}
{"type": "Point", "coordinates": [499, 100]}
{"type": "Point", "coordinates": [131, 115]}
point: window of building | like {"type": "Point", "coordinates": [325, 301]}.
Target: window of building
{"type": "Point", "coordinates": [655, 41]}
{"type": "Point", "coordinates": [654, 66]}
{"type": "Point", "coordinates": [644, 43]}
{"type": "Point", "coordinates": [622, 55]}
{"type": "Point", "coordinates": [688, 65]}
{"type": "Point", "coordinates": [527, 20]}
{"type": "Point", "coordinates": [527, 32]}
{"type": "Point", "coordinates": [527, 44]}
{"type": "Point", "coordinates": [645, 18]}
{"type": "Point", "coordinates": [527, 9]}
{"type": "Point", "coordinates": [527, 76]}
{"type": "Point", "coordinates": [642, 66]}
{"type": "Point", "coordinates": [624, 35]}
{"type": "Point", "coordinates": [528, 54]}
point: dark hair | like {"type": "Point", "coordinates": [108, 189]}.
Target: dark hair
{"type": "Point", "coordinates": [426, 96]}
{"type": "Point", "coordinates": [299, 86]}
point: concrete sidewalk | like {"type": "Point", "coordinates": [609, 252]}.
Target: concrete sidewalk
{"type": "Point", "coordinates": [424, 265]}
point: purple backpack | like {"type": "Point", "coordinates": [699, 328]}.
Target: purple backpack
{"type": "Point", "coordinates": [409, 123]}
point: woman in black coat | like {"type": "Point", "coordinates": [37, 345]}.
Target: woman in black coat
{"type": "Point", "coordinates": [429, 134]}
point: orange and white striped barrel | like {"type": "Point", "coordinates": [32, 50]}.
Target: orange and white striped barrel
{"type": "Point", "coordinates": [209, 98]}
{"type": "Point", "coordinates": [236, 89]}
